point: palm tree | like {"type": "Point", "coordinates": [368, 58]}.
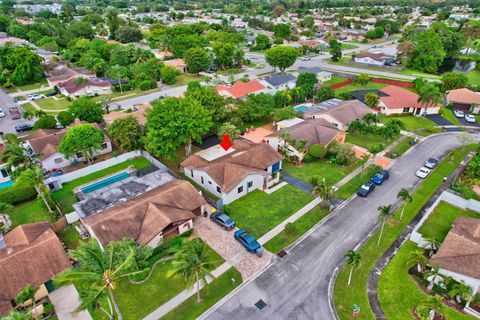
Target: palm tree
{"type": "Point", "coordinates": [430, 303]}
{"type": "Point", "coordinates": [285, 136]}
{"type": "Point", "coordinates": [434, 274]}
{"type": "Point", "coordinates": [429, 95]}
{"type": "Point", "coordinates": [81, 81]}
{"type": "Point", "coordinates": [431, 245]}
{"type": "Point", "coordinates": [353, 259]}
{"type": "Point", "coordinates": [13, 153]}
{"type": "Point", "coordinates": [363, 161]}
{"type": "Point", "coordinates": [97, 277]}
{"type": "Point", "coordinates": [39, 113]}
{"type": "Point", "coordinates": [416, 257]}
{"type": "Point", "coordinates": [34, 176]}
{"type": "Point", "coordinates": [405, 196]}
{"type": "Point", "coordinates": [193, 263]}
{"type": "Point", "coordinates": [105, 102]}
{"type": "Point", "coordinates": [461, 292]}
{"type": "Point", "coordinates": [370, 118]}
{"type": "Point", "coordinates": [28, 115]}
{"type": "Point", "coordinates": [28, 293]}
{"type": "Point", "coordinates": [322, 189]}
{"type": "Point", "coordinates": [17, 315]}
{"type": "Point", "coordinates": [5, 208]}
{"type": "Point", "coordinates": [384, 215]}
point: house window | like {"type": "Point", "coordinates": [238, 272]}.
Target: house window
{"type": "Point", "coordinates": [209, 182]}
{"type": "Point", "coordinates": [219, 190]}
{"type": "Point", "coordinates": [406, 109]}
{"type": "Point", "coordinates": [104, 146]}
{"type": "Point", "coordinates": [250, 184]}
{"type": "Point", "coordinates": [240, 189]}
{"type": "Point", "coordinates": [191, 173]}
{"type": "Point", "coordinates": [201, 179]}
{"type": "Point", "coordinates": [58, 160]}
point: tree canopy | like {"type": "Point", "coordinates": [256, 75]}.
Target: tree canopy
{"type": "Point", "coordinates": [281, 57]}
{"type": "Point", "coordinates": [82, 138]}
{"type": "Point", "coordinates": [126, 133]}
{"type": "Point", "coordinates": [86, 109]}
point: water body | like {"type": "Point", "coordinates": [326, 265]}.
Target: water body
{"type": "Point", "coordinates": [456, 64]}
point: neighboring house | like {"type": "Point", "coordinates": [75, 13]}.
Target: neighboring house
{"type": "Point", "coordinates": [231, 174]}
{"type": "Point", "coordinates": [59, 72]}
{"type": "Point", "coordinates": [287, 123]}
{"type": "Point", "coordinates": [44, 143]}
{"type": "Point", "coordinates": [139, 113]}
{"type": "Point", "coordinates": [399, 100]}
{"type": "Point", "coordinates": [322, 75]}
{"type": "Point", "coordinates": [165, 211]}
{"type": "Point", "coordinates": [278, 81]}
{"type": "Point", "coordinates": [464, 99]}
{"type": "Point", "coordinates": [312, 131]}
{"type": "Point", "coordinates": [92, 87]}
{"type": "Point", "coordinates": [341, 114]}
{"type": "Point", "coordinates": [459, 255]}
{"type": "Point", "coordinates": [13, 41]}
{"type": "Point", "coordinates": [163, 55]}
{"type": "Point", "coordinates": [177, 63]}
{"type": "Point", "coordinates": [30, 254]}
{"type": "Point", "coordinates": [240, 89]}
{"type": "Point", "coordinates": [374, 58]}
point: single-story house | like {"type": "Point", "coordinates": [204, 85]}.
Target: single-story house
{"type": "Point", "coordinates": [13, 41]}
{"type": "Point", "coordinates": [163, 55]}
{"type": "Point", "coordinates": [177, 63]}
{"type": "Point", "coordinates": [240, 89]}
{"type": "Point", "coordinates": [459, 255]}
{"type": "Point", "coordinates": [464, 99]}
{"type": "Point", "coordinates": [341, 114]}
{"type": "Point", "coordinates": [313, 131]}
{"type": "Point", "coordinates": [59, 72]}
{"type": "Point", "coordinates": [399, 100]}
{"type": "Point", "coordinates": [30, 254]}
{"type": "Point", "coordinates": [374, 58]}
{"type": "Point", "coordinates": [322, 75]}
{"type": "Point", "coordinates": [231, 174]}
{"type": "Point", "coordinates": [167, 210]}
{"type": "Point", "coordinates": [139, 113]}
{"type": "Point", "coordinates": [279, 81]}
{"type": "Point", "coordinates": [93, 86]}
{"type": "Point", "coordinates": [287, 123]}
{"type": "Point", "coordinates": [44, 143]}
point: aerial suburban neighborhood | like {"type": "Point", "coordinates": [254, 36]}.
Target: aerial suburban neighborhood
{"type": "Point", "coordinates": [294, 159]}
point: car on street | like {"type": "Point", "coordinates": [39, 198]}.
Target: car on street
{"type": "Point", "coordinates": [51, 93]}
{"type": "Point", "coordinates": [306, 59]}
{"type": "Point", "coordinates": [423, 172]}
{"type": "Point", "coordinates": [470, 118]}
{"type": "Point", "coordinates": [222, 220]}
{"type": "Point", "coordinates": [431, 163]}
{"type": "Point", "coordinates": [35, 96]}
{"type": "Point", "coordinates": [458, 113]}
{"type": "Point", "coordinates": [365, 189]}
{"type": "Point", "coordinates": [247, 240]}
{"type": "Point", "coordinates": [379, 177]}
{"type": "Point", "coordinates": [21, 127]}
{"type": "Point", "coordinates": [2, 114]}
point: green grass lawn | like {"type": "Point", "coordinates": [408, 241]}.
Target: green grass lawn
{"type": "Point", "coordinates": [185, 78]}
{"type": "Point", "coordinates": [29, 212]}
{"type": "Point", "coordinates": [348, 46]}
{"type": "Point", "coordinates": [65, 196]}
{"type": "Point", "coordinates": [369, 141]}
{"type": "Point", "coordinates": [302, 225]}
{"type": "Point", "coordinates": [442, 219]}
{"type": "Point", "coordinates": [355, 87]}
{"type": "Point", "coordinates": [346, 296]}
{"type": "Point", "coordinates": [32, 86]}
{"type": "Point", "coordinates": [334, 80]}
{"type": "Point", "coordinates": [448, 114]}
{"type": "Point", "coordinates": [428, 131]}
{"type": "Point", "coordinates": [28, 106]}
{"type": "Point", "coordinates": [400, 148]}
{"type": "Point", "coordinates": [52, 104]}
{"type": "Point", "coordinates": [399, 294]}
{"type": "Point", "coordinates": [258, 212]}
{"type": "Point", "coordinates": [320, 168]}
{"type": "Point", "coordinates": [411, 122]}
{"type": "Point", "coordinates": [255, 124]}
{"type": "Point", "coordinates": [348, 189]}
{"type": "Point", "coordinates": [474, 77]}
{"type": "Point", "coordinates": [70, 237]}
{"type": "Point", "coordinates": [216, 290]}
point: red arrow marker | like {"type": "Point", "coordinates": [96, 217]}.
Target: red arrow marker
{"type": "Point", "coordinates": [226, 144]}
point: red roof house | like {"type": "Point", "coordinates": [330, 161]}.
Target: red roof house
{"type": "Point", "coordinates": [240, 89]}
{"type": "Point", "coordinates": [92, 87]}
{"type": "Point", "coordinates": [400, 100]}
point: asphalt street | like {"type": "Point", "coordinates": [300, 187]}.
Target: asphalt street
{"type": "Point", "coordinates": [7, 124]}
{"type": "Point", "coordinates": [296, 286]}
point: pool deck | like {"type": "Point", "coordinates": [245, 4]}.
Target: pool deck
{"type": "Point", "coordinates": [78, 190]}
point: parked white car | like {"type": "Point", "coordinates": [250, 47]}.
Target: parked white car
{"type": "Point", "coordinates": [423, 172]}
{"type": "Point", "coordinates": [35, 96]}
{"type": "Point", "coordinates": [2, 114]}
{"type": "Point", "coordinates": [470, 118]}
{"type": "Point", "coordinates": [458, 113]}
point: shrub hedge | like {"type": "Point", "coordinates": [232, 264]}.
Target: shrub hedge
{"type": "Point", "coordinates": [17, 194]}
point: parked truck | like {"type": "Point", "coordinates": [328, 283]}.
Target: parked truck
{"type": "Point", "coordinates": [14, 112]}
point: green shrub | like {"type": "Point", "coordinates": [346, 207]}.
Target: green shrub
{"type": "Point", "coordinates": [17, 194]}
{"type": "Point", "coordinates": [308, 158]}
{"type": "Point", "coordinates": [148, 84]}
{"type": "Point", "coordinates": [317, 151]}
{"type": "Point", "coordinates": [377, 148]}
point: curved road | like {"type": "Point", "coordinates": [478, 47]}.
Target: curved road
{"type": "Point", "coordinates": [296, 286]}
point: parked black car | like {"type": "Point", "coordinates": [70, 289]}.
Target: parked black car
{"type": "Point", "coordinates": [23, 127]}
{"type": "Point", "coordinates": [365, 189]}
{"type": "Point", "coordinates": [51, 93]}
{"type": "Point", "coordinates": [222, 220]}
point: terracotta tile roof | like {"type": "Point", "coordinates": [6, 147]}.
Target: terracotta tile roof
{"type": "Point", "coordinates": [175, 63]}
{"type": "Point", "coordinates": [399, 98]}
{"type": "Point", "coordinates": [139, 114]}
{"type": "Point", "coordinates": [144, 217]}
{"type": "Point", "coordinates": [33, 255]}
{"type": "Point", "coordinates": [315, 131]}
{"type": "Point", "coordinates": [229, 170]}
{"type": "Point", "coordinates": [70, 85]}
{"type": "Point", "coordinates": [241, 89]}
{"type": "Point", "coordinates": [463, 95]}
{"type": "Point", "coordinates": [460, 251]}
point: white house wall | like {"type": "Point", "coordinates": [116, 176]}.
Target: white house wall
{"type": "Point", "coordinates": [469, 281]}
{"type": "Point", "coordinates": [257, 183]}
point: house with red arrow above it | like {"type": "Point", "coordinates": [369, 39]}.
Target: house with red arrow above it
{"type": "Point", "coordinates": [231, 171]}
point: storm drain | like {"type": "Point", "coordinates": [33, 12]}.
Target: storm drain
{"type": "Point", "coordinates": [282, 253]}
{"type": "Point", "coordinates": [260, 304]}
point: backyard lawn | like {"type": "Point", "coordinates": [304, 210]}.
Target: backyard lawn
{"type": "Point", "coordinates": [474, 77]}
{"type": "Point", "coordinates": [411, 122]}
{"type": "Point", "coordinates": [399, 294]}
{"type": "Point", "coordinates": [216, 290]}
{"type": "Point", "coordinates": [442, 219]}
{"type": "Point", "coordinates": [32, 86]}
{"type": "Point", "coordinates": [70, 237]}
{"type": "Point", "coordinates": [334, 80]}
{"type": "Point", "coordinates": [52, 104]}
{"type": "Point", "coordinates": [258, 212]}
{"type": "Point", "coordinates": [29, 212]}
{"type": "Point", "coordinates": [354, 87]}
{"type": "Point", "coordinates": [321, 169]}
{"type": "Point", "coordinates": [348, 189]}
{"type": "Point", "coordinates": [65, 196]}
{"type": "Point", "coordinates": [302, 225]}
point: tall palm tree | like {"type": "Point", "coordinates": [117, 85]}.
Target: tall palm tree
{"type": "Point", "coordinates": [34, 176]}
{"type": "Point", "coordinates": [384, 214]}
{"type": "Point", "coordinates": [105, 103]}
{"type": "Point", "coordinates": [353, 259]}
{"type": "Point", "coordinates": [97, 277]}
{"type": "Point", "coordinates": [417, 258]}
{"type": "Point", "coordinates": [81, 82]}
{"type": "Point", "coordinates": [363, 161]}
{"type": "Point", "coordinates": [322, 189]}
{"type": "Point", "coordinates": [193, 263]}
{"type": "Point", "coordinates": [406, 197]}
{"type": "Point", "coordinates": [429, 95]}
{"type": "Point", "coordinates": [285, 136]}
{"type": "Point", "coordinates": [28, 293]}
{"type": "Point", "coordinates": [431, 245]}
{"type": "Point", "coordinates": [461, 292]}
{"type": "Point", "coordinates": [13, 153]}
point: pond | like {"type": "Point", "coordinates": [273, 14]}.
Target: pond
{"type": "Point", "coordinates": [456, 64]}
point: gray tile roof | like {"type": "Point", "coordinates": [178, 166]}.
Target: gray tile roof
{"type": "Point", "coordinates": [278, 79]}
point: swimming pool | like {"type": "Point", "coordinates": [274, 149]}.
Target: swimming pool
{"type": "Point", "coordinates": [105, 182]}
{"type": "Point", "coordinates": [5, 184]}
{"type": "Point", "coordinates": [300, 108]}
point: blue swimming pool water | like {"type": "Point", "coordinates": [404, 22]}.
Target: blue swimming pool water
{"type": "Point", "coordinates": [105, 182]}
{"type": "Point", "coordinates": [5, 184]}
{"type": "Point", "coordinates": [301, 108]}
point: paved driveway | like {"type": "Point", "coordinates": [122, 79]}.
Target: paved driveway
{"type": "Point", "coordinates": [438, 119]}
{"type": "Point", "coordinates": [470, 124]}
{"type": "Point", "coordinates": [294, 181]}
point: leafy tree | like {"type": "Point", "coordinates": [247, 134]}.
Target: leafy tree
{"type": "Point", "coordinates": [428, 54]}
{"type": "Point", "coordinates": [34, 177]}
{"type": "Point", "coordinates": [317, 151]}
{"type": "Point", "coordinates": [262, 42]}
{"type": "Point", "coordinates": [453, 80]}
{"type": "Point", "coordinates": [126, 133]}
{"type": "Point", "coordinates": [113, 22]}
{"type": "Point", "coordinates": [45, 122]}
{"type": "Point", "coordinates": [209, 98]}
{"type": "Point", "coordinates": [173, 122]}
{"type": "Point", "coordinates": [452, 41]}
{"type": "Point", "coordinates": [20, 65]}
{"type": "Point", "coordinates": [372, 99]}
{"type": "Point", "coordinates": [406, 197]}
{"type": "Point", "coordinates": [308, 81]}
{"type": "Point", "coordinates": [282, 98]}
{"type": "Point", "coordinates": [82, 138]}
{"type": "Point", "coordinates": [384, 214]}
{"type": "Point", "coordinates": [335, 50]}
{"type": "Point", "coordinates": [362, 79]}
{"type": "Point", "coordinates": [256, 107]}
{"type": "Point", "coordinates": [353, 259]}
{"type": "Point", "coordinates": [65, 118]}
{"type": "Point", "coordinates": [282, 30]}
{"type": "Point", "coordinates": [371, 118]}
{"type": "Point", "coordinates": [169, 74]}
{"type": "Point", "coordinates": [281, 57]}
{"type": "Point", "coordinates": [229, 129]}
{"type": "Point", "coordinates": [471, 29]}
{"type": "Point", "coordinates": [17, 315]}
{"type": "Point", "coordinates": [86, 109]}
{"type": "Point", "coordinates": [376, 33]}
{"type": "Point", "coordinates": [224, 53]}
{"type": "Point", "coordinates": [28, 293]}
{"type": "Point", "coordinates": [238, 58]}
{"type": "Point", "coordinates": [128, 34]}
{"type": "Point", "coordinates": [197, 60]}
{"type": "Point", "coordinates": [182, 43]}
{"type": "Point", "coordinates": [284, 113]}
{"type": "Point", "coordinates": [325, 93]}
{"type": "Point", "coordinates": [193, 263]}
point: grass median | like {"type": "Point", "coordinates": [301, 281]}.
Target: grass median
{"type": "Point", "coordinates": [346, 296]}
